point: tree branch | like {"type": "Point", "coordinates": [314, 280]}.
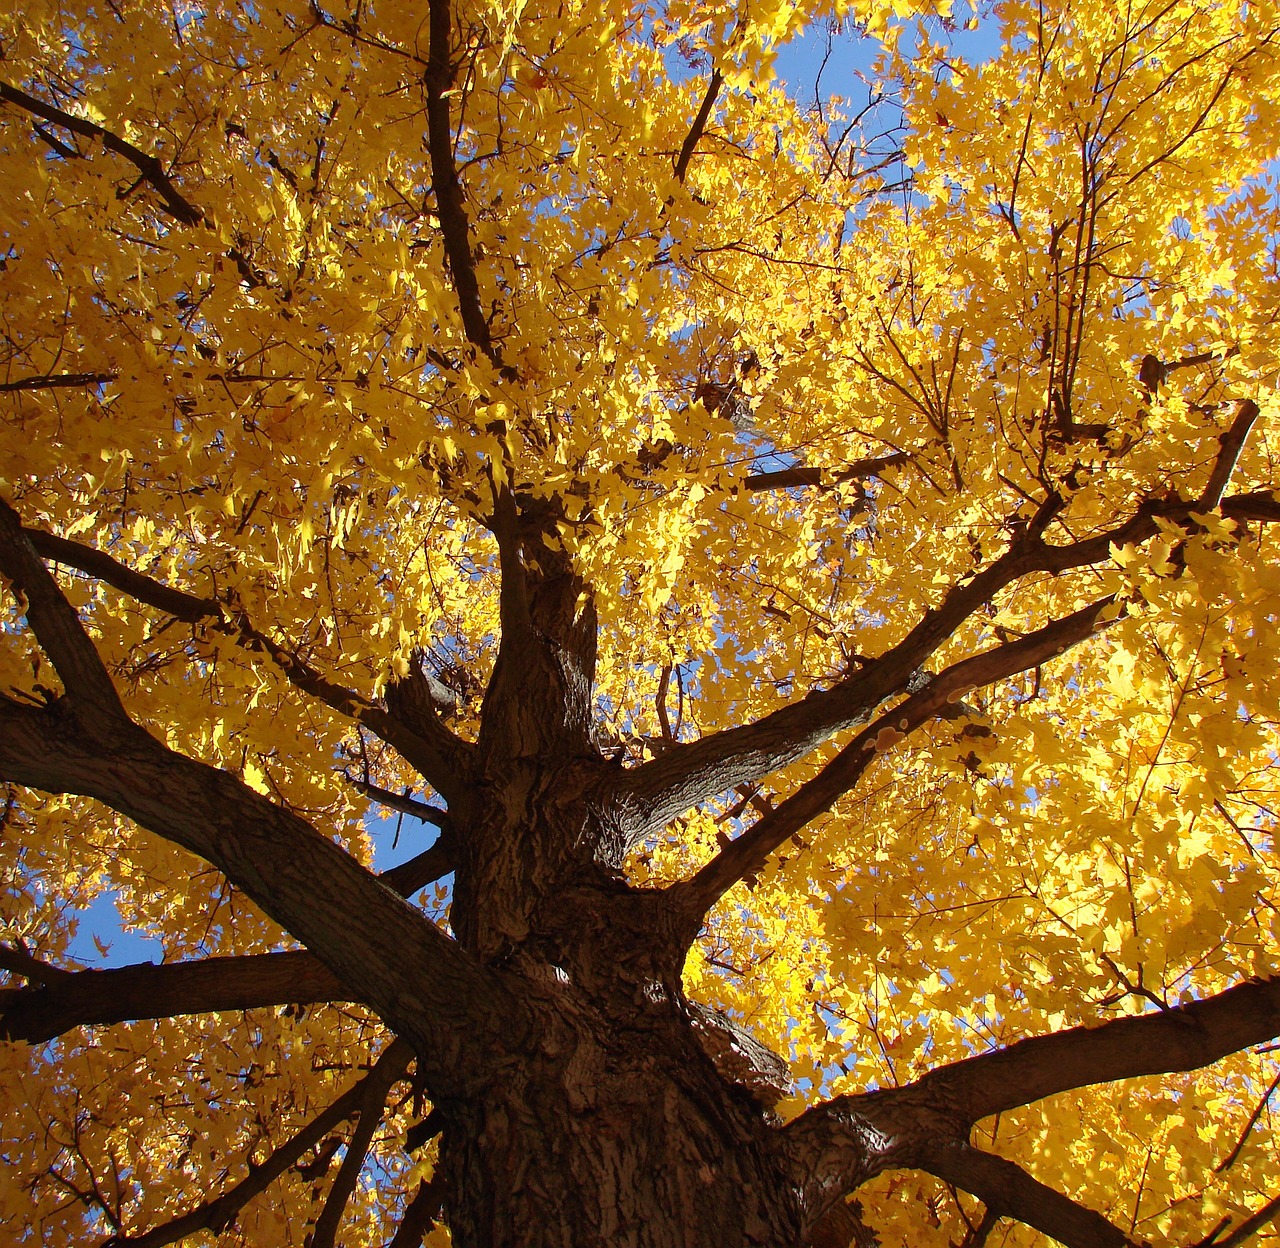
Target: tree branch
{"type": "Point", "coordinates": [699, 126]}
{"type": "Point", "coordinates": [372, 940]}
{"type": "Point", "coordinates": [1231, 444]}
{"type": "Point", "coordinates": [1248, 1228]}
{"type": "Point", "coordinates": [401, 802]}
{"type": "Point", "coordinates": [56, 381]}
{"type": "Point", "coordinates": [454, 228]}
{"type": "Point", "coordinates": [56, 625]}
{"type": "Point", "coordinates": [129, 993]}
{"type": "Point", "coordinates": [152, 171]}
{"type": "Point", "coordinates": [794, 478]}
{"type": "Point", "coordinates": [1185, 1037]}
{"type": "Point", "coordinates": [439, 756]}
{"type": "Point", "coordinates": [840, 1144]}
{"type": "Point", "coordinates": [1007, 1189]}
{"type": "Point", "coordinates": [68, 999]}
{"type": "Point", "coordinates": [422, 1211]}
{"type": "Point", "coordinates": [748, 853]}
{"type": "Point", "coordinates": [372, 1102]}
{"type": "Point", "coordinates": [688, 773]}
{"type": "Point", "coordinates": [218, 1214]}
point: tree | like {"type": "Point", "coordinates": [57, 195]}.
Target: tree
{"type": "Point", "coordinates": [810, 564]}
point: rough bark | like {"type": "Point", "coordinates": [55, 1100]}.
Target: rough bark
{"type": "Point", "coordinates": [582, 1100]}
{"type": "Point", "coordinates": [55, 1001]}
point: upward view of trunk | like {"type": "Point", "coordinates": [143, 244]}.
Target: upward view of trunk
{"type": "Point", "coordinates": [390, 409]}
{"type": "Point", "coordinates": [605, 1121]}
{"type": "Point", "coordinates": [579, 1098]}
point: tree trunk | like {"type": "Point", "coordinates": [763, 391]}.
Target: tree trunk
{"type": "Point", "coordinates": [607, 1123]}
{"type": "Point", "coordinates": [604, 1137]}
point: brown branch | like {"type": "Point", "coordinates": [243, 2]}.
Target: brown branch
{"type": "Point", "coordinates": [68, 999]}
{"type": "Point", "coordinates": [20, 962]}
{"type": "Point", "coordinates": [435, 752]}
{"type": "Point", "coordinates": [840, 1144]}
{"type": "Point", "coordinates": [784, 479]}
{"type": "Point", "coordinates": [57, 381]}
{"type": "Point", "coordinates": [1008, 1190]}
{"type": "Point", "coordinates": [1261, 506]}
{"type": "Point", "coordinates": [795, 478]}
{"type": "Point", "coordinates": [188, 608]}
{"type": "Point", "coordinates": [370, 1109]}
{"type": "Point", "coordinates": [152, 171]}
{"type": "Point", "coordinates": [401, 802]}
{"type": "Point", "coordinates": [1248, 1228]}
{"type": "Point", "coordinates": [1229, 1160]}
{"type": "Point", "coordinates": [746, 855]}
{"type": "Point", "coordinates": [218, 1214]}
{"type": "Point", "coordinates": [1183, 1037]}
{"type": "Point", "coordinates": [1231, 443]}
{"type": "Point", "coordinates": [421, 1212]}
{"type": "Point", "coordinates": [439, 79]}
{"type": "Point", "coordinates": [57, 626]}
{"type": "Point", "coordinates": [84, 743]}
{"type": "Point", "coordinates": [129, 993]}
{"type": "Point", "coordinates": [422, 869]}
{"type": "Point", "coordinates": [977, 1236]}
{"type": "Point", "coordinates": [688, 773]}
{"type": "Point", "coordinates": [699, 125]}
{"type": "Point", "coordinates": [372, 941]}
{"type": "Point", "coordinates": [685, 774]}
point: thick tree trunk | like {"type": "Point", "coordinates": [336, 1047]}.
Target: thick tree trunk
{"type": "Point", "coordinates": [605, 1138]}
{"type": "Point", "coordinates": [608, 1124]}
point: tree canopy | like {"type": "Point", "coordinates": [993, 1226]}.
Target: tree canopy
{"type": "Point", "coordinates": [793, 558]}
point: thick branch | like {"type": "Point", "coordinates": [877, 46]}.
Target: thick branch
{"type": "Point", "coordinates": [401, 802]}
{"type": "Point", "coordinates": [686, 774]}
{"type": "Point", "coordinates": [840, 1144]}
{"type": "Point", "coordinates": [418, 980]}
{"type": "Point", "coordinates": [422, 1211]}
{"type": "Point", "coordinates": [128, 993]}
{"type": "Point", "coordinates": [68, 999]}
{"type": "Point", "coordinates": [422, 740]}
{"type": "Point", "coordinates": [1184, 1038]}
{"type": "Point", "coordinates": [152, 171]}
{"type": "Point", "coordinates": [748, 854]}
{"type": "Point", "coordinates": [189, 608]}
{"type": "Point", "coordinates": [1008, 1189]}
{"type": "Point", "coordinates": [217, 1214]}
{"type": "Point", "coordinates": [379, 948]}
{"type": "Point", "coordinates": [56, 624]}
{"type": "Point", "coordinates": [422, 869]}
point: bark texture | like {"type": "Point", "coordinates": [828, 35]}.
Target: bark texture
{"type": "Point", "coordinates": [580, 1098]}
